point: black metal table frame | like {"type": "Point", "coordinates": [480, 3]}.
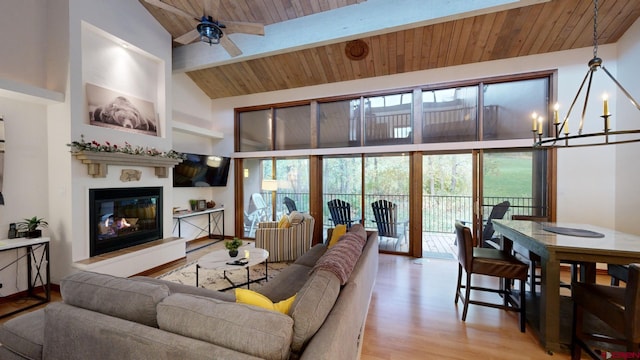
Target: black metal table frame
{"type": "Point", "coordinates": [213, 214]}
{"type": "Point", "coordinates": [37, 281]}
{"type": "Point", "coordinates": [237, 285]}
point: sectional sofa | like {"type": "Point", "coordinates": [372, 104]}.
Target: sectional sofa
{"type": "Point", "coordinates": [106, 317]}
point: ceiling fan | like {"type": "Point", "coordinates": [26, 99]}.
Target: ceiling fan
{"type": "Point", "coordinates": [208, 28]}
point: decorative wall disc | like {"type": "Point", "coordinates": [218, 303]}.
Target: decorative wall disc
{"type": "Point", "coordinates": [356, 50]}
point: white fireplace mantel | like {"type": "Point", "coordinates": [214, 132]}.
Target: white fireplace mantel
{"type": "Point", "coordinates": [97, 162]}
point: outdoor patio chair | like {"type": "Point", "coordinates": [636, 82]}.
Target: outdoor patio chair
{"type": "Point", "coordinates": [340, 213]}
{"type": "Point", "coordinates": [616, 306]}
{"type": "Point", "coordinates": [290, 204]}
{"type": "Point", "coordinates": [497, 212]}
{"type": "Point", "coordinates": [258, 212]}
{"type": "Point", "coordinates": [386, 219]}
{"type": "Point", "coordinates": [491, 262]}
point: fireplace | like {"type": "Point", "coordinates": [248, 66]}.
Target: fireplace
{"type": "Point", "coordinates": [123, 217]}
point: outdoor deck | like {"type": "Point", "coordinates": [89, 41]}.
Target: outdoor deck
{"type": "Point", "coordinates": [434, 245]}
{"type": "Point", "coordinates": [439, 245]}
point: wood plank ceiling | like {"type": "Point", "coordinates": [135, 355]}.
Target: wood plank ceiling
{"type": "Point", "coordinates": [552, 26]}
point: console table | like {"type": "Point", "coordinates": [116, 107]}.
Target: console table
{"type": "Point", "coordinates": [36, 264]}
{"type": "Point", "coordinates": [214, 227]}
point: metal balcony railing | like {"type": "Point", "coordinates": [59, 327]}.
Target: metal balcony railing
{"type": "Point", "coordinates": [439, 212]}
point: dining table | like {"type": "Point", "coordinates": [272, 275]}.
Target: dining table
{"type": "Point", "coordinates": [564, 242]}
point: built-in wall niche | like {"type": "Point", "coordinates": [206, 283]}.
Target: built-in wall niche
{"type": "Point", "coordinates": [125, 71]}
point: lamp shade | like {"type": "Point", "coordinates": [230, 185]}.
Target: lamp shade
{"type": "Point", "coordinates": [269, 185]}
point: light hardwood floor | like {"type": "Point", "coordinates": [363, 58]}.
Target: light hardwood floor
{"type": "Point", "coordinates": [412, 316]}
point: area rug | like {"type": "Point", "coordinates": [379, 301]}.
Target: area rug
{"type": "Point", "coordinates": [214, 279]}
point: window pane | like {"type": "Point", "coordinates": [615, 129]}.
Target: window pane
{"type": "Point", "coordinates": [255, 130]}
{"type": "Point", "coordinates": [342, 179]}
{"type": "Point", "coordinates": [339, 124]}
{"type": "Point", "coordinates": [508, 108]}
{"type": "Point", "coordinates": [387, 178]}
{"type": "Point", "coordinates": [515, 176]}
{"type": "Point", "coordinates": [293, 183]}
{"type": "Point", "coordinates": [447, 186]}
{"type": "Point", "coordinates": [450, 114]}
{"type": "Point", "coordinates": [293, 127]}
{"type": "Point", "coordinates": [388, 119]}
{"type": "Point", "coordinates": [256, 202]}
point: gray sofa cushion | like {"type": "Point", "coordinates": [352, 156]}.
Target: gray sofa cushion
{"type": "Point", "coordinates": [313, 303]}
{"type": "Point", "coordinates": [288, 282]}
{"type": "Point", "coordinates": [175, 287]}
{"type": "Point", "coordinates": [123, 298]}
{"type": "Point", "coordinates": [78, 334]}
{"type": "Point", "coordinates": [24, 335]}
{"type": "Point", "coordinates": [360, 231]}
{"type": "Point", "coordinates": [259, 332]}
{"type": "Point", "coordinates": [311, 257]}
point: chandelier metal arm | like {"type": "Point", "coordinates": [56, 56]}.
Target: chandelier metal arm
{"type": "Point", "coordinates": [626, 93]}
{"type": "Point", "coordinates": [586, 101]}
{"type": "Point", "coordinates": [575, 99]}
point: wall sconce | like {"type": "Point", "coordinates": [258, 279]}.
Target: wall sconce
{"type": "Point", "coordinates": [246, 173]}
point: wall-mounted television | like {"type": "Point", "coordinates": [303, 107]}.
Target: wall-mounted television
{"type": "Point", "coordinates": [201, 170]}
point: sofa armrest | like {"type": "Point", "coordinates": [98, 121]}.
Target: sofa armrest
{"type": "Point", "coordinates": [175, 287]}
{"type": "Point", "coordinates": [268, 225]}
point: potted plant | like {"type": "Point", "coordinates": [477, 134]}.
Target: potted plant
{"type": "Point", "coordinates": [232, 246]}
{"type": "Point", "coordinates": [32, 226]}
{"type": "Point", "coordinates": [194, 204]}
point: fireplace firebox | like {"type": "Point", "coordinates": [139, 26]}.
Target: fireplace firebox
{"type": "Point", "coordinates": [123, 217]}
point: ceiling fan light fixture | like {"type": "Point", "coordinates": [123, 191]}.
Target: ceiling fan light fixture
{"type": "Point", "coordinates": [210, 32]}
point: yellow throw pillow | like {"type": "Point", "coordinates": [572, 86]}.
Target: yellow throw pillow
{"type": "Point", "coordinates": [338, 231]}
{"type": "Point", "coordinates": [284, 222]}
{"type": "Point", "coordinates": [250, 297]}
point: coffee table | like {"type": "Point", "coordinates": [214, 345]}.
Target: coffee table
{"type": "Point", "coordinates": [220, 260]}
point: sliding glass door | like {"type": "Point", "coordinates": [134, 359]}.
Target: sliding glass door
{"type": "Point", "coordinates": [517, 180]}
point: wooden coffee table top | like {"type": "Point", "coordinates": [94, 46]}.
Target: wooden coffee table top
{"type": "Point", "coordinates": [217, 260]}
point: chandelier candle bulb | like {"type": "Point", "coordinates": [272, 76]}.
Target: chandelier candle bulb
{"type": "Point", "coordinates": [556, 107]}
{"type": "Point", "coordinates": [540, 119]}
{"type": "Point", "coordinates": [534, 117]}
{"type": "Point", "coordinates": [605, 104]}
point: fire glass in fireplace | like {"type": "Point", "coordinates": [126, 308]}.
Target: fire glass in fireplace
{"type": "Point", "coordinates": [124, 217]}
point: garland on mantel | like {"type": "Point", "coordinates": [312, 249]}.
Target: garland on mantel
{"type": "Point", "coordinates": [94, 146]}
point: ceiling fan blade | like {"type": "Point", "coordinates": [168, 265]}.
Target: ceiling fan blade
{"type": "Point", "coordinates": [188, 37]}
{"type": "Point", "coordinates": [230, 46]}
{"type": "Point", "coordinates": [243, 27]}
{"type": "Point", "coordinates": [211, 8]}
{"type": "Point", "coordinates": [172, 9]}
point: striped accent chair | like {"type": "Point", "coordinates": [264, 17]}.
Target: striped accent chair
{"type": "Point", "coordinates": [286, 244]}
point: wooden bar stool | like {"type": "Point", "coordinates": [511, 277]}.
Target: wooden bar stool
{"type": "Point", "coordinates": [616, 306]}
{"type": "Point", "coordinates": [491, 262]}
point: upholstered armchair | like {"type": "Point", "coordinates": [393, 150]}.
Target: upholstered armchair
{"type": "Point", "coordinates": [286, 242]}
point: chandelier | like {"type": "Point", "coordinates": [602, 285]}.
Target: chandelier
{"type": "Point", "coordinates": [562, 137]}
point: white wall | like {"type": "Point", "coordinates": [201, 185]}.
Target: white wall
{"type": "Point", "coordinates": [586, 176]}
{"type": "Point", "coordinates": [97, 29]}
{"type": "Point", "coordinates": [627, 192]}
{"type": "Point", "coordinates": [23, 57]}
{"type": "Point", "coordinates": [192, 106]}
{"type": "Point", "coordinates": [25, 179]}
